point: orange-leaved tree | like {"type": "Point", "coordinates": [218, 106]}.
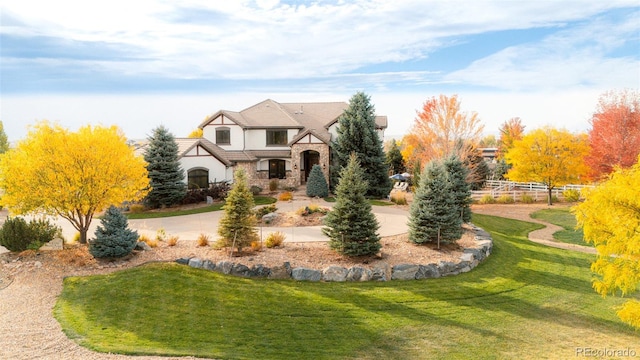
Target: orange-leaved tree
{"type": "Point", "coordinates": [510, 131]}
{"type": "Point", "coordinates": [549, 156]}
{"type": "Point", "coordinates": [610, 218]}
{"type": "Point", "coordinates": [441, 129]}
{"type": "Point", "coordinates": [71, 174]}
{"type": "Point", "coordinates": [615, 132]}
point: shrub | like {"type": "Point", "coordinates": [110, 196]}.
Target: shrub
{"type": "Point", "coordinates": [317, 184]}
{"type": "Point", "coordinates": [554, 199]}
{"type": "Point", "coordinates": [136, 208]}
{"type": "Point", "coordinates": [113, 236]}
{"type": "Point", "coordinates": [172, 240]}
{"type": "Point", "coordinates": [18, 235]}
{"type": "Point", "coordinates": [262, 211]}
{"type": "Point", "coordinates": [75, 255]}
{"type": "Point", "coordinates": [571, 195]}
{"type": "Point", "coordinates": [274, 239]}
{"type": "Point", "coordinates": [285, 196]}
{"type": "Point", "coordinates": [161, 235]}
{"type": "Point", "coordinates": [203, 240]}
{"type": "Point", "coordinates": [145, 239]}
{"type": "Point", "coordinates": [487, 199]}
{"type": "Point", "coordinates": [273, 185]}
{"type": "Point", "coordinates": [256, 245]}
{"type": "Point", "coordinates": [216, 191]}
{"type": "Point", "coordinates": [76, 238]}
{"type": "Point", "coordinates": [505, 199]}
{"type": "Point", "coordinates": [527, 199]}
{"type": "Point", "coordinates": [399, 197]}
{"type": "Point", "coordinates": [256, 190]}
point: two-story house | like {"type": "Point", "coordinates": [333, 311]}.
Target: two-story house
{"type": "Point", "coordinates": [270, 140]}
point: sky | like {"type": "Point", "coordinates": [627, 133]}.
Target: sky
{"type": "Point", "coordinates": [144, 63]}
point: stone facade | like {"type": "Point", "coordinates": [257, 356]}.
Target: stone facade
{"type": "Point", "coordinates": [297, 159]}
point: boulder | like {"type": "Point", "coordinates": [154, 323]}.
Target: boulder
{"type": "Point", "coordinates": [467, 257]}
{"type": "Point", "coordinates": [358, 273]}
{"type": "Point", "coordinates": [334, 273]}
{"type": "Point", "coordinates": [281, 272]}
{"type": "Point", "coordinates": [183, 261]}
{"type": "Point", "coordinates": [446, 268]}
{"type": "Point", "coordinates": [259, 271]}
{"type": "Point", "coordinates": [429, 271]}
{"type": "Point", "coordinates": [208, 265]}
{"type": "Point", "coordinates": [269, 217]}
{"type": "Point", "coordinates": [209, 200]}
{"type": "Point", "coordinates": [240, 270]}
{"type": "Point", "coordinates": [381, 272]}
{"type": "Point", "coordinates": [141, 245]}
{"type": "Point", "coordinates": [195, 263]}
{"type": "Point", "coordinates": [304, 274]}
{"type": "Point", "coordinates": [404, 272]}
{"type": "Point", "coordinates": [55, 244]}
{"type": "Point", "coordinates": [224, 267]}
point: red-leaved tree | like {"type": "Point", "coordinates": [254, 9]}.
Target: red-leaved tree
{"type": "Point", "coordinates": [615, 134]}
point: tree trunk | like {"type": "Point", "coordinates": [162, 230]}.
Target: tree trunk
{"type": "Point", "coordinates": [549, 202]}
{"type": "Point", "coordinates": [83, 236]}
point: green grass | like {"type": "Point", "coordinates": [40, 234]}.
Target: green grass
{"type": "Point", "coordinates": [260, 200]}
{"type": "Point", "coordinates": [526, 301]}
{"type": "Point", "coordinates": [565, 219]}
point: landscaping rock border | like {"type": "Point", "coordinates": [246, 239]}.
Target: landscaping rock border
{"type": "Point", "coordinates": [469, 259]}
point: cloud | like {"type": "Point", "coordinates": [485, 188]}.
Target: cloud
{"type": "Point", "coordinates": [576, 56]}
{"type": "Point", "coordinates": [242, 40]}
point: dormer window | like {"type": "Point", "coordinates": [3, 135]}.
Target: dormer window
{"type": "Point", "coordinates": [223, 136]}
{"type": "Point", "coordinates": [276, 137]}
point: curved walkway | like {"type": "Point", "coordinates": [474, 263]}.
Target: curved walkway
{"type": "Point", "coordinates": [523, 212]}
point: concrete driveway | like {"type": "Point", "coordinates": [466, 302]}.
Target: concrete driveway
{"type": "Point", "coordinates": [392, 220]}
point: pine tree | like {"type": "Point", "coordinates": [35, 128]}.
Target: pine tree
{"type": "Point", "coordinates": [4, 142]}
{"type": "Point", "coordinates": [237, 226]}
{"type": "Point", "coordinates": [351, 226]}
{"type": "Point", "coordinates": [434, 208]}
{"type": "Point", "coordinates": [113, 236]}
{"type": "Point", "coordinates": [317, 184]}
{"type": "Point", "coordinates": [165, 174]}
{"type": "Point", "coordinates": [459, 187]}
{"type": "Point", "coordinates": [357, 134]}
{"type": "Point", "coordinates": [395, 161]}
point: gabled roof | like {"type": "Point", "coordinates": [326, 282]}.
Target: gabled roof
{"type": "Point", "coordinates": [186, 144]}
{"type": "Point", "coordinates": [311, 117]}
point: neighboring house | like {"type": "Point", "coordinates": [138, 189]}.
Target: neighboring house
{"type": "Point", "coordinates": [270, 140]}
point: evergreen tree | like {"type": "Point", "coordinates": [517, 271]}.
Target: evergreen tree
{"type": "Point", "coordinates": [459, 187]}
{"type": "Point", "coordinates": [165, 174]}
{"type": "Point", "coordinates": [113, 236]}
{"type": "Point", "coordinates": [237, 226]}
{"type": "Point", "coordinates": [434, 208]}
{"type": "Point", "coordinates": [395, 161]}
{"type": "Point", "coordinates": [4, 142]}
{"type": "Point", "coordinates": [317, 184]}
{"type": "Point", "coordinates": [357, 134]}
{"type": "Point", "coordinates": [351, 226]}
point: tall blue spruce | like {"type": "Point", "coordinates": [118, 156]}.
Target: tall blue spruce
{"type": "Point", "coordinates": [351, 226]}
{"type": "Point", "coordinates": [434, 211]}
{"type": "Point", "coordinates": [357, 134]}
{"type": "Point", "coordinates": [165, 173]}
{"type": "Point", "coordinates": [113, 236]}
{"type": "Point", "coordinates": [459, 186]}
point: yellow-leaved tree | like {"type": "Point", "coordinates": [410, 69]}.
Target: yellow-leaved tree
{"type": "Point", "coordinates": [71, 174]}
{"type": "Point", "coordinates": [549, 156]}
{"type": "Point", "coordinates": [610, 218]}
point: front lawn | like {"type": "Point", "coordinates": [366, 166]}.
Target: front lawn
{"type": "Point", "coordinates": [564, 218]}
{"type": "Point", "coordinates": [259, 200]}
{"type": "Point", "coordinates": [526, 301]}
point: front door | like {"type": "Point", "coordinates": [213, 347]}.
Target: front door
{"type": "Point", "coordinates": [310, 158]}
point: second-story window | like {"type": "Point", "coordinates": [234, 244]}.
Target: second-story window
{"type": "Point", "coordinates": [223, 136]}
{"type": "Point", "coordinates": [276, 137]}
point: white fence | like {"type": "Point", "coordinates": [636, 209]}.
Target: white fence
{"type": "Point", "coordinates": [516, 190]}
